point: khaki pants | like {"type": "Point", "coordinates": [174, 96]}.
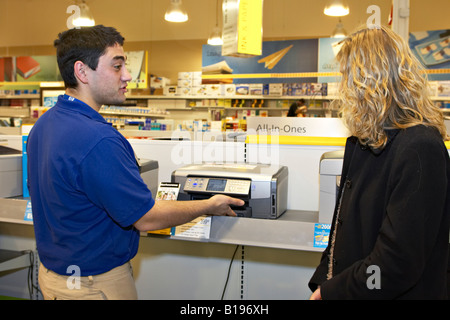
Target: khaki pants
{"type": "Point", "coordinates": [116, 284]}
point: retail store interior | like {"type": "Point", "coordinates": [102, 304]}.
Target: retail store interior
{"type": "Point", "coordinates": [179, 113]}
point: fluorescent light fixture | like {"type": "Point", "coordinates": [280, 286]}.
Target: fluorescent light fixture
{"type": "Point", "coordinates": [339, 32]}
{"type": "Point", "coordinates": [86, 19]}
{"type": "Point", "coordinates": [336, 8]}
{"type": "Point", "coordinates": [175, 13]}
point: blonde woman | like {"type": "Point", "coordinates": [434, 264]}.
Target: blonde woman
{"type": "Point", "coordinates": [390, 232]}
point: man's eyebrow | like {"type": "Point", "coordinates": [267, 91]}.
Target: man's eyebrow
{"type": "Point", "coordinates": [120, 58]}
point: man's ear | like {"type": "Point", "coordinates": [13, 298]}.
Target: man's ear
{"type": "Point", "coordinates": [80, 71]}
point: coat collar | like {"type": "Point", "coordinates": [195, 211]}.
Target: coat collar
{"type": "Point", "coordinates": [391, 134]}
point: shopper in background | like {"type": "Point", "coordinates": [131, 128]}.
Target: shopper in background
{"type": "Point", "coordinates": [297, 109]}
{"type": "Point", "coordinates": [89, 201]}
{"type": "Point", "coordinates": [390, 232]}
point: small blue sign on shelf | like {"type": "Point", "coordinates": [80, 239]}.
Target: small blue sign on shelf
{"type": "Point", "coordinates": [28, 212]}
{"type": "Point", "coordinates": [321, 235]}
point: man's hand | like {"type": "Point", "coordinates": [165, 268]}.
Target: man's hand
{"type": "Point", "coordinates": [166, 214]}
{"type": "Point", "coordinates": [220, 205]}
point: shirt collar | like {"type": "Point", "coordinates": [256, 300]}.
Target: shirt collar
{"type": "Point", "coordinates": [75, 105]}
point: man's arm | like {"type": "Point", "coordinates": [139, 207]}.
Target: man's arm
{"type": "Point", "coordinates": [167, 214]}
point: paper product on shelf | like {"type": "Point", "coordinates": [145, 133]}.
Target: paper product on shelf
{"type": "Point", "coordinates": [443, 89]}
{"type": "Point", "coordinates": [273, 89]}
{"type": "Point", "coordinates": [217, 68]}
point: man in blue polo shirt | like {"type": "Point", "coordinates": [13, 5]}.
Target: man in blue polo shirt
{"type": "Point", "coordinates": [89, 201]}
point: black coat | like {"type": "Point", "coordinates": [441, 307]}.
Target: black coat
{"type": "Point", "coordinates": [395, 215]}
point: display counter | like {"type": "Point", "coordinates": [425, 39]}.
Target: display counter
{"type": "Point", "coordinates": [293, 230]}
{"type": "Point", "coordinates": [13, 210]}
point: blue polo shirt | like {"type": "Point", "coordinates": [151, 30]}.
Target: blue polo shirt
{"type": "Point", "coordinates": [86, 190]}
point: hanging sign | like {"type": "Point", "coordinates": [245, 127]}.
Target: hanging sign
{"type": "Point", "coordinates": [242, 28]}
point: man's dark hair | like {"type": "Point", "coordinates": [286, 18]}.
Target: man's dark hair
{"type": "Point", "coordinates": [85, 44]}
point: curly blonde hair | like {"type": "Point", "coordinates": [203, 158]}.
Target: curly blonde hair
{"type": "Point", "coordinates": [383, 87]}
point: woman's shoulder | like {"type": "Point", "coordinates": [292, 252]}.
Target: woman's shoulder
{"type": "Point", "coordinates": [423, 139]}
{"type": "Point", "coordinates": [420, 134]}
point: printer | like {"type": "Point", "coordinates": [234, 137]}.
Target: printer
{"type": "Point", "coordinates": [10, 172]}
{"type": "Point", "coordinates": [149, 173]}
{"type": "Point", "coordinates": [330, 171]}
{"type": "Point", "coordinates": [263, 187]}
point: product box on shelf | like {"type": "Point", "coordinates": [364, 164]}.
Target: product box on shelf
{"type": "Point", "coordinates": [332, 88]}
{"type": "Point", "coordinates": [213, 90]}
{"type": "Point", "coordinates": [198, 91]}
{"type": "Point", "coordinates": [256, 89]}
{"type": "Point", "coordinates": [242, 89]}
{"type": "Point", "coordinates": [159, 82]}
{"type": "Point", "coordinates": [196, 78]}
{"type": "Point", "coordinates": [184, 83]}
{"type": "Point", "coordinates": [287, 89]}
{"type": "Point", "coordinates": [300, 89]}
{"type": "Point", "coordinates": [191, 76]}
{"type": "Point", "coordinates": [273, 89]}
{"type": "Point", "coordinates": [185, 76]}
{"type": "Point", "coordinates": [318, 89]}
{"type": "Point", "coordinates": [443, 89]}
{"type": "Point", "coordinates": [183, 91]}
{"type": "Point", "coordinates": [432, 88]}
{"type": "Point", "coordinates": [170, 90]}
{"type": "Point", "coordinates": [228, 90]}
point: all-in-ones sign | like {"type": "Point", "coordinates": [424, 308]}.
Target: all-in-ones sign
{"type": "Point", "coordinates": [305, 127]}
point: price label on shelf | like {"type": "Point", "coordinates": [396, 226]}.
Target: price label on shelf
{"type": "Point", "coordinates": [198, 228]}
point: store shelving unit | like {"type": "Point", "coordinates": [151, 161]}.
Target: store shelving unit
{"type": "Point", "coordinates": [294, 230]}
{"type": "Point", "coordinates": [272, 105]}
{"type": "Point", "coordinates": [12, 211]}
{"type": "Point", "coordinates": [11, 260]}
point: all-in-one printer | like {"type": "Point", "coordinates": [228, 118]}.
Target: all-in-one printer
{"type": "Point", "coordinates": [10, 172]}
{"type": "Point", "coordinates": [262, 187]}
{"type": "Point", "coordinates": [149, 170]}
{"type": "Point", "coordinates": [330, 176]}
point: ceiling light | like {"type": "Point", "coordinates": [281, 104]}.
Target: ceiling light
{"type": "Point", "coordinates": [215, 39]}
{"type": "Point", "coordinates": [85, 19]}
{"type": "Point", "coordinates": [339, 32]}
{"type": "Point", "coordinates": [336, 8]}
{"type": "Point", "coordinates": [175, 13]}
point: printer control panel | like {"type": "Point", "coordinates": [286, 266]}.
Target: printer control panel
{"type": "Point", "coordinates": [217, 185]}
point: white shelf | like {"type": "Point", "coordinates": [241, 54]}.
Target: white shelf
{"type": "Point", "coordinates": [133, 114]}
{"type": "Point", "coordinates": [249, 97]}
{"type": "Point", "coordinates": [14, 111]}
{"type": "Point", "coordinates": [21, 96]}
{"type": "Point", "coordinates": [436, 98]}
{"type": "Point", "coordinates": [293, 230]}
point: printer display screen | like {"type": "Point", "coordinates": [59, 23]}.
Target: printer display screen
{"type": "Point", "coordinates": [216, 185]}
